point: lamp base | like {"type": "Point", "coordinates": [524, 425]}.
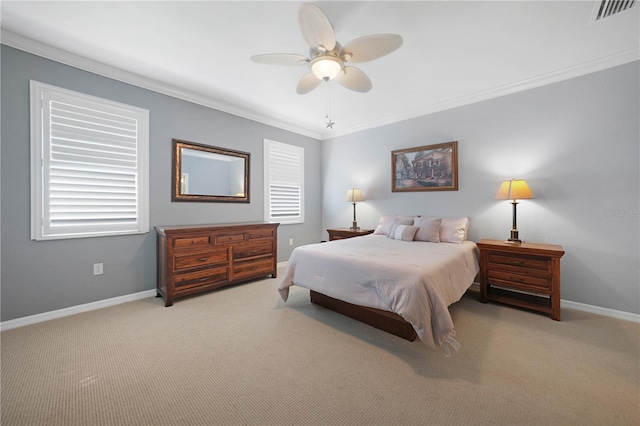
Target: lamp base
{"type": "Point", "coordinates": [514, 237]}
{"type": "Point", "coordinates": [354, 226]}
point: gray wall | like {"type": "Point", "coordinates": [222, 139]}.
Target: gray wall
{"type": "Point", "coordinates": [44, 276]}
{"type": "Point", "coordinates": [575, 142]}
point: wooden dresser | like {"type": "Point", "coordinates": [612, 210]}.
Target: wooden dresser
{"type": "Point", "coordinates": [342, 233]}
{"type": "Point", "coordinates": [197, 258]}
{"type": "Point", "coordinates": [521, 274]}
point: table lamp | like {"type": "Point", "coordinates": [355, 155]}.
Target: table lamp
{"type": "Point", "coordinates": [354, 196]}
{"type": "Point", "coordinates": [514, 189]}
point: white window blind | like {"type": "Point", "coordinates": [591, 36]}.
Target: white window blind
{"type": "Point", "coordinates": [284, 182]}
{"type": "Point", "coordinates": [89, 165]}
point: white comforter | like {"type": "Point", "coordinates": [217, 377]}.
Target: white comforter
{"type": "Point", "coordinates": [417, 280]}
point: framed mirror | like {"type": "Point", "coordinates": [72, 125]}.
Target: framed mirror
{"type": "Point", "coordinates": [208, 173]}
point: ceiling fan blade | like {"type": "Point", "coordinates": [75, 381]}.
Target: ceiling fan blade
{"type": "Point", "coordinates": [316, 28]}
{"type": "Point", "coordinates": [307, 83]}
{"type": "Point", "coordinates": [354, 79]}
{"type": "Point", "coordinates": [371, 47]}
{"type": "Point", "coordinates": [280, 59]}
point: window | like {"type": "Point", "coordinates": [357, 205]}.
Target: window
{"type": "Point", "coordinates": [89, 174]}
{"type": "Point", "coordinates": [284, 182]}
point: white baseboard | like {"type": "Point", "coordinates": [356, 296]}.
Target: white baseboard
{"type": "Point", "coordinates": [628, 316]}
{"type": "Point", "coordinates": [46, 316]}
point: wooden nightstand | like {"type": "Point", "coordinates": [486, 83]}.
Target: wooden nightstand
{"type": "Point", "coordinates": [342, 233]}
{"type": "Point", "coordinates": [521, 274]}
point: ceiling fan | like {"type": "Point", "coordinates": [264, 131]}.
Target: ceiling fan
{"type": "Point", "coordinates": [328, 58]}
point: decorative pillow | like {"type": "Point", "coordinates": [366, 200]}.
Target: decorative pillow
{"type": "Point", "coordinates": [428, 229]}
{"type": "Point", "coordinates": [402, 232]}
{"type": "Point", "coordinates": [384, 225]}
{"type": "Point", "coordinates": [454, 230]}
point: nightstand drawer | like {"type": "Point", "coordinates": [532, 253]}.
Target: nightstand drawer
{"type": "Point", "coordinates": [342, 233]}
{"type": "Point", "coordinates": [529, 262]}
{"type": "Point", "coordinates": [511, 279]}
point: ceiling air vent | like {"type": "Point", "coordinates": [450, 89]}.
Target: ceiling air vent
{"type": "Point", "coordinates": [611, 7]}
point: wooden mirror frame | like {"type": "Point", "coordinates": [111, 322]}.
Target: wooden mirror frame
{"type": "Point", "coordinates": [176, 192]}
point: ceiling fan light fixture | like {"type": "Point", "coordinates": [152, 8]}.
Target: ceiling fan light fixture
{"type": "Point", "coordinates": [327, 57]}
{"type": "Point", "coordinates": [326, 67]}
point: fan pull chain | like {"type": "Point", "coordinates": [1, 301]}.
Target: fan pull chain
{"type": "Point", "coordinates": [328, 111]}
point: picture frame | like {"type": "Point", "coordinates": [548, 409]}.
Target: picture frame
{"type": "Point", "coordinates": [425, 168]}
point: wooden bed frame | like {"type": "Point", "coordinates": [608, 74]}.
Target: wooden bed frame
{"type": "Point", "coordinates": [384, 320]}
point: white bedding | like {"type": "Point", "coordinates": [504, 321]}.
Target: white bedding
{"type": "Point", "coordinates": [417, 280]}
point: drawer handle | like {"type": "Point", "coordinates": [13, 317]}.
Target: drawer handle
{"type": "Point", "coordinates": [203, 279]}
{"type": "Point", "coordinates": [202, 259]}
{"type": "Point", "coordinates": [520, 280]}
{"type": "Point", "coordinates": [515, 262]}
{"type": "Point", "coordinates": [253, 251]}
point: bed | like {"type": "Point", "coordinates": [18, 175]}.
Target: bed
{"type": "Point", "coordinates": [405, 286]}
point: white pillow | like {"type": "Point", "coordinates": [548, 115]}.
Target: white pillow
{"type": "Point", "coordinates": [453, 230]}
{"type": "Point", "coordinates": [384, 225]}
{"type": "Point", "coordinates": [402, 232]}
{"type": "Point", "coordinates": [428, 229]}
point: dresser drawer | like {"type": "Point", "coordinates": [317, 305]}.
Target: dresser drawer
{"type": "Point", "coordinates": [255, 234]}
{"type": "Point", "coordinates": [256, 248]}
{"type": "Point", "coordinates": [200, 278]}
{"type": "Point", "coordinates": [189, 260]}
{"type": "Point", "coordinates": [512, 279]}
{"type": "Point", "coordinates": [253, 267]}
{"type": "Point", "coordinates": [496, 260]}
{"type": "Point", "coordinates": [191, 242]}
{"type": "Point", "coordinates": [229, 238]}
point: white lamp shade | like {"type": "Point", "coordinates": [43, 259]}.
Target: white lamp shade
{"type": "Point", "coordinates": [514, 189]}
{"type": "Point", "coordinates": [354, 195]}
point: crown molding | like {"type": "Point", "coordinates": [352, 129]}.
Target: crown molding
{"type": "Point", "coordinates": [40, 49]}
{"type": "Point", "coordinates": [568, 73]}
{"type": "Point", "coordinates": [11, 39]}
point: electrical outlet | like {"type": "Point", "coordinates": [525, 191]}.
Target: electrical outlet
{"type": "Point", "coordinates": [98, 269]}
{"type": "Point", "coordinates": [290, 241]}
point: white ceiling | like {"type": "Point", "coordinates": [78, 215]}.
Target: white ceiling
{"type": "Point", "coordinates": [454, 52]}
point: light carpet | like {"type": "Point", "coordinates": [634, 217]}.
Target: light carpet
{"type": "Point", "coordinates": [240, 356]}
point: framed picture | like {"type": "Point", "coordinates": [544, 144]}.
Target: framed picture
{"type": "Point", "coordinates": [425, 168]}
